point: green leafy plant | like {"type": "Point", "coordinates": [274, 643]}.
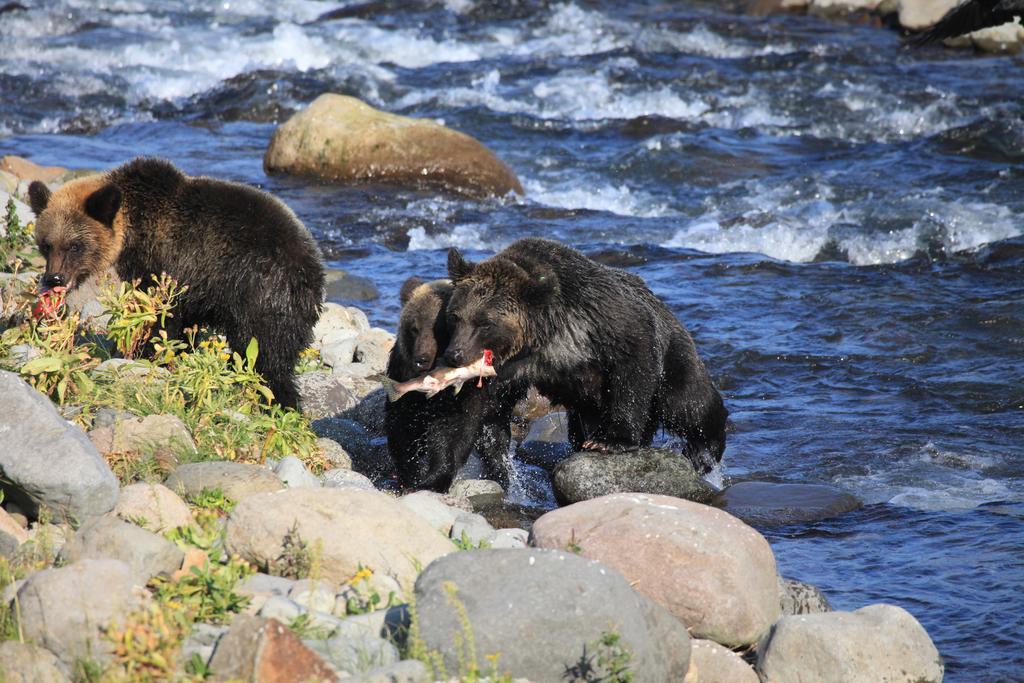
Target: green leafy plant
{"type": "Point", "coordinates": [206, 593]}
{"type": "Point", "coordinates": [135, 311]}
{"type": "Point", "coordinates": [16, 241]}
{"type": "Point", "coordinates": [464, 542]}
{"type": "Point", "coordinates": [294, 562]}
{"type": "Point", "coordinates": [306, 628]}
{"type": "Point", "coordinates": [364, 598]}
{"type": "Point", "coordinates": [212, 501]}
{"type": "Point", "coordinates": [146, 646]}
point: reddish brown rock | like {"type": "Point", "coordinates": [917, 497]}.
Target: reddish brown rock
{"type": "Point", "coordinates": [342, 139]}
{"type": "Point", "coordinates": [713, 572]}
{"type": "Point", "coordinates": [260, 650]}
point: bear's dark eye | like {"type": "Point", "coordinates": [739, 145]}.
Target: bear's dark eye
{"type": "Point", "coordinates": [414, 330]}
{"type": "Point", "coordinates": [75, 248]}
{"type": "Point", "coordinates": [44, 248]}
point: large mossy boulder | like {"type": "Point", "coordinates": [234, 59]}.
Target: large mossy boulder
{"type": "Point", "coordinates": [343, 139]}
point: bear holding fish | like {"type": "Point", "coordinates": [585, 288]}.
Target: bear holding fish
{"type": "Point", "coordinates": [589, 337]}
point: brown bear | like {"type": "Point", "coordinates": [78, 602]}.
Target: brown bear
{"type": "Point", "coordinates": [429, 439]}
{"type": "Point", "coordinates": [252, 268]}
{"type": "Point", "coordinates": [592, 338]}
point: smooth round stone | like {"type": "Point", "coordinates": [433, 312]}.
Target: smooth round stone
{"type": "Point", "coordinates": [767, 504]}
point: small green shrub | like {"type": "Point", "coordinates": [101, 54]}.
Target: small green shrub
{"type": "Point", "coordinates": [206, 594]}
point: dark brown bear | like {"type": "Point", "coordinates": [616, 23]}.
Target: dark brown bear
{"type": "Point", "coordinates": [251, 267]}
{"type": "Point", "coordinates": [592, 338]}
{"type": "Point", "coordinates": [429, 439]}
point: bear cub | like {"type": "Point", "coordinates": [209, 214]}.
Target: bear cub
{"type": "Point", "coordinates": [429, 439]}
{"type": "Point", "coordinates": [592, 338]}
{"type": "Point", "coordinates": [252, 268]}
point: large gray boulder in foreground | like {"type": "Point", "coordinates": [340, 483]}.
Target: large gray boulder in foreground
{"type": "Point", "coordinates": [874, 643]}
{"type": "Point", "coordinates": [46, 459]}
{"type": "Point", "coordinates": [110, 538]}
{"type": "Point", "coordinates": [66, 610]}
{"type": "Point", "coordinates": [545, 612]}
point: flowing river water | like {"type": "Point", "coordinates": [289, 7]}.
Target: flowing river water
{"type": "Point", "coordinates": [838, 220]}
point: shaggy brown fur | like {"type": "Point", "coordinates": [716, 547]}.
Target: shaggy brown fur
{"type": "Point", "coordinates": [251, 267]}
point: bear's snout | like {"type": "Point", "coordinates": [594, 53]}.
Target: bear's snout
{"type": "Point", "coordinates": [51, 280]}
{"type": "Point", "coordinates": [423, 361]}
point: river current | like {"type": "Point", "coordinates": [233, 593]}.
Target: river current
{"type": "Point", "coordinates": [838, 220]}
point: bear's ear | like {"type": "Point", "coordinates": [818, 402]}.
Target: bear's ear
{"type": "Point", "coordinates": [539, 286]}
{"type": "Point", "coordinates": [408, 287]}
{"type": "Point", "coordinates": [38, 196]}
{"type": "Point", "coordinates": [458, 267]}
{"type": "Point", "coordinates": [103, 204]}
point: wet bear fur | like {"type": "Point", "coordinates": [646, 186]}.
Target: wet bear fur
{"type": "Point", "coordinates": [429, 439]}
{"type": "Point", "coordinates": [592, 338]}
{"type": "Point", "coordinates": [251, 267]}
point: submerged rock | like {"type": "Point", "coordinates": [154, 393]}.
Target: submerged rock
{"type": "Point", "coordinates": [342, 139]}
{"type": "Point", "coordinates": [874, 643]}
{"type": "Point", "coordinates": [588, 475]}
{"type": "Point", "coordinates": [766, 504]}
{"type": "Point", "coordinates": [45, 460]}
{"type": "Point", "coordinates": [545, 612]}
{"type": "Point", "coordinates": [713, 572]}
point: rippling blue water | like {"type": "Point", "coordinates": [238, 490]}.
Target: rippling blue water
{"type": "Point", "coordinates": [838, 220]}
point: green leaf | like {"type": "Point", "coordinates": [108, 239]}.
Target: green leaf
{"type": "Point", "coordinates": [43, 364]}
{"type": "Point", "coordinates": [251, 351]}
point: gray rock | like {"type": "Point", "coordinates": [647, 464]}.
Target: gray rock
{"type": "Point", "coordinates": [281, 608]}
{"type": "Point", "coordinates": [23, 353]}
{"type": "Point", "coordinates": [110, 538]}
{"type": "Point", "coordinates": [355, 529]}
{"type": "Point", "coordinates": [336, 319]}
{"type": "Point", "coordinates": [322, 394]}
{"type": "Point", "coordinates": [479, 494]}
{"type": "Point", "coordinates": [874, 643]}
{"type": "Point", "coordinates": [763, 503]}
{"type": "Point", "coordinates": [373, 347]}
{"type": "Point", "coordinates": [347, 479]}
{"type": "Point", "coordinates": [510, 538]}
{"type": "Point", "coordinates": [338, 350]}
{"type": "Point", "coordinates": [294, 474]}
{"type": "Point", "coordinates": [405, 671]}
{"type": "Point", "coordinates": [369, 412]}
{"type": "Point", "coordinates": [473, 527]}
{"type": "Point", "coordinates": [152, 506]}
{"type": "Point", "coordinates": [27, 663]}
{"type": "Point", "coordinates": [108, 417]}
{"type": "Point", "coordinates": [588, 475]}
{"type": "Point", "coordinates": [796, 597]}
{"type": "Point", "coordinates": [335, 454]}
{"type": "Point", "coordinates": [717, 664]}
{"type": "Point", "coordinates": [342, 285]}
{"type": "Point", "coordinates": [201, 641]}
{"type": "Point", "coordinates": [12, 535]}
{"type": "Point", "coordinates": [314, 595]}
{"type": "Point", "coordinates": [65, 610]}
{"type": "Point", "coordinates": [432, 508]}
{"type": "Point", "coordinates": [260, 583]}
{"type": "Point", "coordinates": [545, 611]}
{"type": "Point", "coordinates": [146, 434]}
{"type": "Point", "coordinates": [237, 480]}
{"type": "Point", "coordinates": [44, 460]}
{"type": "Point", "coordinates": [355, 654]}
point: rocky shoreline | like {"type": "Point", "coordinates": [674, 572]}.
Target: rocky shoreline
{"type": "Point", "coordinates": [301, 561]}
